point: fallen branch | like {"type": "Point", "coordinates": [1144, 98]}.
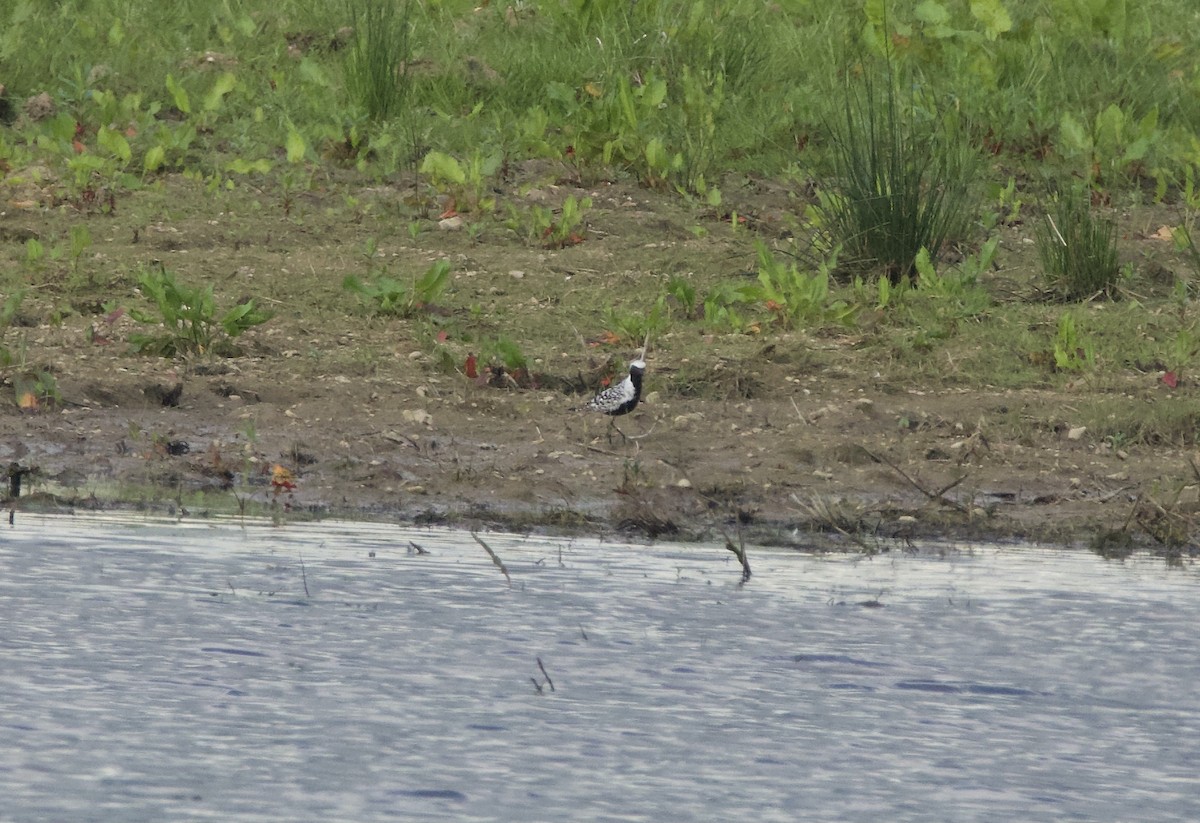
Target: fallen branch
{"type": "Point", "coordinates": [936, 496]}
{"type": "Point", "coordinates": [739, 551]}
{"type": "Point", "coordinates": [495, 558]}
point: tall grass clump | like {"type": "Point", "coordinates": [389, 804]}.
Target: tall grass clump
{"type": "Point", "coordinates": [903, 179]}
{"type": "Point", "coordinates": [377, 61]}
{"type": "Point", "coordinates": [1078, 250]}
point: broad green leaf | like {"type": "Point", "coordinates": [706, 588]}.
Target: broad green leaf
{"type": "Point", "coordinates": [993, 15]}
{"type": "Point", "coordinates": [1137, 150]}
{"type": "Point", "coordinates": [179, 95]}
{"type": "Point", "coordinates": [924, 266]}
{"type": "Point", "coordinates": [932, 13]}
{"type": "Point", "coordinates": [154, 158]}
{"type": "Point", "coordinates": [1148, 125]}
{"type": "Point", "coordinates": [242, 317]}
{"type": "Point", "coordinates": [656, 155]}
{"type": "Point", "coordinates": [223, 85]}
{"type": "Point", "coordinates": [875, 11]}
{"type": "Point", "coordinates": [872, 31]}
{"type": "Point", "coordinates": [988, 253]}
{"type": "Point", "coordinates": [246, 26]}
{"type": "Point", "coordinates": [1110, 17]}
{"type": "Point", "coordinates": [241, 166]}
{"type": "Point", "coordinates": [114, 143]}
{"type": "Point", "coordinates": [296, 147]}
{"type": "Point", "coordinates": [626, 99]}
{"type": "Point", "coordinates": [442, 167]}
{"type": "Point", "coordinates": [1073, 134]}
{"type": "Point", "coordinates": [1110, 123]}
{"type": "Point", "coordinates": [654, 92]}
{"type": "Point", "coordinates": [313, 73]}
{"type": "Point", "coordinates": [433, 282]}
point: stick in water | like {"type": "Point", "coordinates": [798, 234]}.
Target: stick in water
{"type": "Point", "coordinates": [499, 563]}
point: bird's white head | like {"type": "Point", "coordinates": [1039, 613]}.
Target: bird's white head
{"type": "Point", "coordinates": [638, 366]}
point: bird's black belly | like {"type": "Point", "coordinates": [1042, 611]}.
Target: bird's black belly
{"type": "Point", "coordinates": [624, 408]}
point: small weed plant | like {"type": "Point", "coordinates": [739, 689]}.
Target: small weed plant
{"type": "Point", "coordinates": [682, 297]}
{"type": "Point", "coordinates": [1073, 352]}
{"type": "Point", "coordinates": [504, 352]}
{"type": "Point", "coordinates": [8, 313]}
{"type": "Point", "coordinates": [565, 229]}
{"type": "Point", "coordinates": [958, 291]}
{"type": "Point", "coordinates": [633, 327]}
{"type": "Point", "coordinates": [1078, 250]}
{"type": "Point", "coordinates": [188, 318]}
{"type": "Point", "coordinates": [1006, 205]}
{"type": "Point", "coordinates": [34, 391]}
{"type": "Point", "coordinates": [720, 307]}
{"type": "Point", "coordinates": [1185, 234]}
{"type": "Point", "coordinates": [723, 304]}
{"type": "Point", "coordinates": [798, 298]}
{"type": "Point", "coordinates": [467, 184]}
{"type": "Point", "coordinates": [387, 296]}
{"type": "Point", "coordinates": [1182, 351]}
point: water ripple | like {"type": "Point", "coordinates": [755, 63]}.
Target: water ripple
{"type": "Point", "coordinates": [149, 674]}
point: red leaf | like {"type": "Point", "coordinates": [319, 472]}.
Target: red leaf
{"type": "Point", "coordinates": [1171, 379]}
{"type": "Point", "coordinates": [606, 338]}
{"type": "Point", "coordinates": [442, 336]}
{"type": "Point", "coordinates": [472, 367]}
{"type": "Point", "coordinates": [282, 479]}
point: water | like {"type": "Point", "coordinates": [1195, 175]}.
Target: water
{"type": "Point", "coordinates": [153, 671]}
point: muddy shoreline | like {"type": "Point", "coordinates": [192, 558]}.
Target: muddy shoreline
{"type": "Point", "coordinates": [836, 472]}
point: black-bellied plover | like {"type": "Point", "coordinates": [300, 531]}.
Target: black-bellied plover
{"type": "Point", "coordinates": [621, 398]}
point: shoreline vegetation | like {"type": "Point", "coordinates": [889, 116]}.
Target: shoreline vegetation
{"type": "Point", "coordinates": [906, 269]}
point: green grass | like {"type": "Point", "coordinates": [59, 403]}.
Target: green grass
{"type": "Point", "coordinates": [1078, 250]}
{"type": "Point", "coordinates": [378, 57]}
{"type": "Point", "coordinates": [744, 86]}
{"type": "Point", "coordinates": [903, 178]}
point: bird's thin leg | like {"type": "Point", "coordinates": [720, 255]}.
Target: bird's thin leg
{"type": "Point", "coordinates": [613, 422]}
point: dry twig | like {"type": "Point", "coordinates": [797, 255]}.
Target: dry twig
{"type": "Point", "coordinates": [495, 558]}
{"type": "Point", "coordinates": [936, 496]}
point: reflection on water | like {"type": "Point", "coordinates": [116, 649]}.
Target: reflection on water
{"type": "Point", "coordinates": [156, 671]}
